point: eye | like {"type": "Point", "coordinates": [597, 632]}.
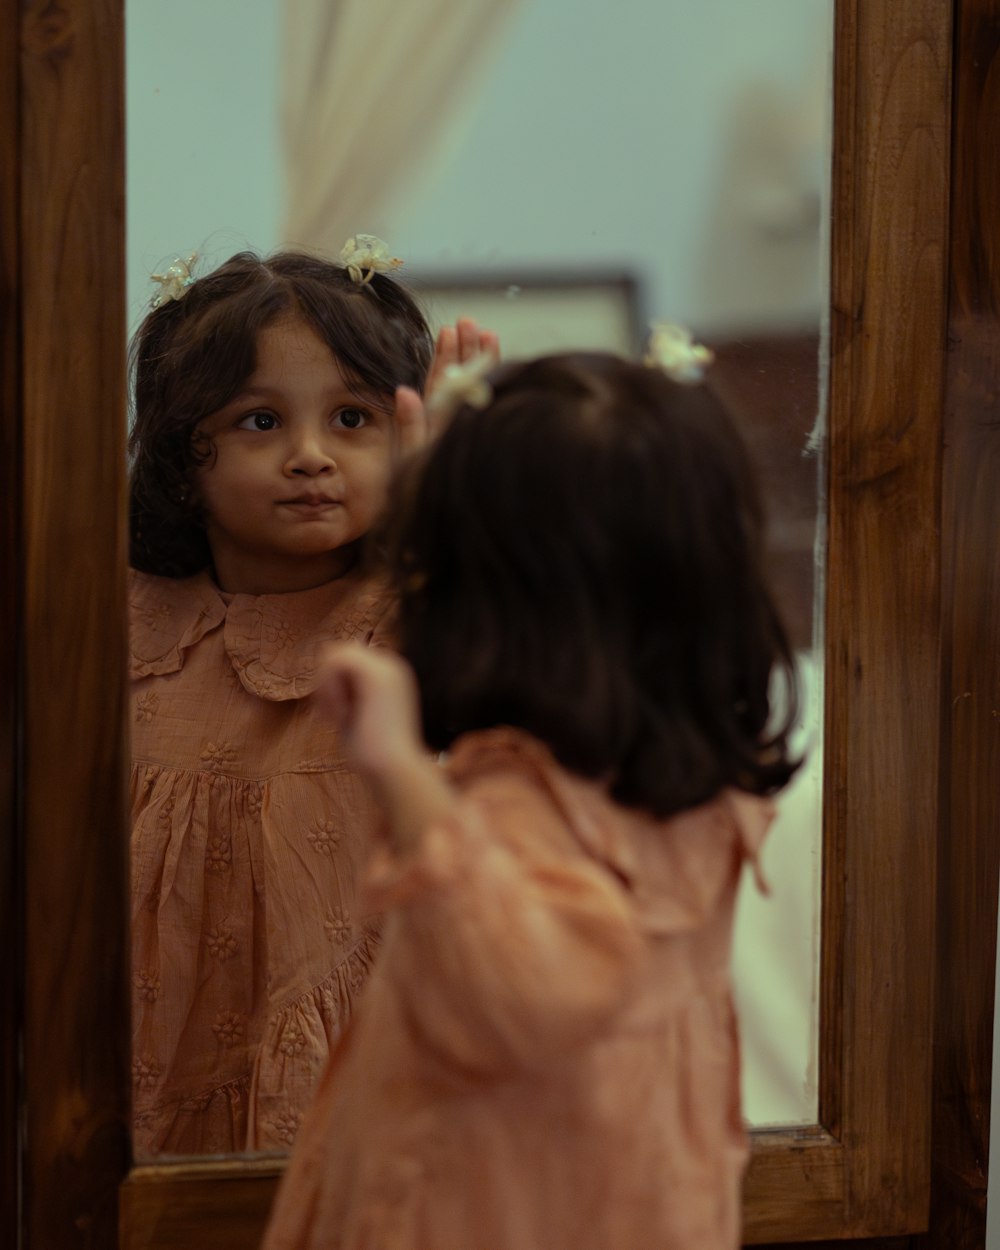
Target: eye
{"type": "Point", "coordinates": [258, 421]}
{"type": "Point", "coordinates": [351, 418]}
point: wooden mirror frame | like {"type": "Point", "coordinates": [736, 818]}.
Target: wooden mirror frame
{"type": "Point", "coordinates": [910, 811]}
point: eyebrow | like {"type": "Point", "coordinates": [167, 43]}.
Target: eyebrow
{"type": "Point", "coordinates": [262, 394]}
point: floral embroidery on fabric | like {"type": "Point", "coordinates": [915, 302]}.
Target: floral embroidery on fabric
{"type": "Point", "coordinates": [253, 801]}
{"type": "Point", "coordinates": [222, 945]}
{"type": "Point", "coordinates": [166, 811]}
{"type": "Point", "coordinates": [154, 614]}
{"type": "Point", "coordinates": [145, 1072]}
{"type": "Point", "coordinates": [218, 754]}
{"type": "Point", "coordinates": [228, 1028]}
{"type": "Point", "coordinates": [265, 687]}
{"type": "Point", "coordinates": [285, 1126]}
{"type": "Point", "coordinates": [280, 633]}
{"type": "Point", "coordinates": [293, 1041]}
{"type": "Point", "coordinates": [218, 855]}
{"type": "Point", "coordinates": [146, 705]}
{"type": "Point", "coordinates": [147, 986]}
{"type": "Point", "coordinates": [324, 837]}
{"type": "Point", "coordinates": [338, 925]}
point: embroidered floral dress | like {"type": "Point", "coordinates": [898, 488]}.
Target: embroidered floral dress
{"type": "Point", "coordinates": [546, 1054]}
{"type": "Point", "coordinates": [249, 838]}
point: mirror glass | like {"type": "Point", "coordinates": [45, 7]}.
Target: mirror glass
{"type": "Point", "coordinates": [588, 168]}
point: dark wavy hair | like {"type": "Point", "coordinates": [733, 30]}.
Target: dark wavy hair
{"type": "Point", "coordinates": [583, 560]}
{"type": "Point", "coordinates": [191, 356]}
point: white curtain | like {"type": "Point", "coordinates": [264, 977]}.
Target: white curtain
{"type": "Point", "coordinates": [367, 89]}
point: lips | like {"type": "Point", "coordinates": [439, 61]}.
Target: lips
{"type": "Point", "coordinates": [310, 501]}
{"type": "Point", "coordinates": [309, 505]}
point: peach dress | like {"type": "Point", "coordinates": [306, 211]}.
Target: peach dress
{"type": "Point", "coordinates": [546, 1055]}
{"type": "Point", "coordinates": [249, 840]}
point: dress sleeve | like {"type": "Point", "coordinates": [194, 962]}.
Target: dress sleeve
{"type": "Point", "coordinates": [507, 943]}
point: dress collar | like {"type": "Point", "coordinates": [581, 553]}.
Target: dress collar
{"type": "Point", "coordinates": [274, 642]}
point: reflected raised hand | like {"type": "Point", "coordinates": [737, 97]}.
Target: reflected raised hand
{"type": "Point", "coordinates": [415, 419]}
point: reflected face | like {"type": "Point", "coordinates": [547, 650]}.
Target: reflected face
{"type": "Point", "coordinates": [299, 470]}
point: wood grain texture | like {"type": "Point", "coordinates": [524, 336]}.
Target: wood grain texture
{"type": "Point", "coordinates": [794, 1185]}
{"type": "Point", "coordinates": [889, 231]}
{"type": "Point", "coordinates": [222, 1205]}
{"type": "Point", "coordinates": [888, 246]}
{"type": "Point", "coordinates": [970, 801]}
{"type": "Point", "coordinates": [73, 337]}
{"type": "Point", "coordinates": [10, 628]}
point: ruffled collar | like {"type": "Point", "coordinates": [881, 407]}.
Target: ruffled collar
{"type": "Point", "coordinates": [273, 642]}
{"type": "Point", "coordinates": [630, 843]}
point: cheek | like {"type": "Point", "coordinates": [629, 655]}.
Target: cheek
{"type": "Point", "coordinates": [220, 498]}
{"type": "Point", "coordinates": [203, 488]}
{"type": "Point", "coordinates": [372, 483]}
{"type": "Point", "coordinates": [227, 479]}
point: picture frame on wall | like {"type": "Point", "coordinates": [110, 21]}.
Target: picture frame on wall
{"type": "Point", "coordinates": [541, 312]}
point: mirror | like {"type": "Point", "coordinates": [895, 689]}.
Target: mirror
{"type": "Point", "coordinates": [669, 165]}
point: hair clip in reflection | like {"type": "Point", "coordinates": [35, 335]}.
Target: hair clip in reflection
{"type": "Point", "coordinates": [463, 384]}
{"type": "Point", "coordinates": [364, 255]}
{"type": "Point", "coordinates": [673, 349]}
{"type": "Point", "coordinates": [175, 282]}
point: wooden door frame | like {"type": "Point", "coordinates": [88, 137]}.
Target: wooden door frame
{"type": "Point", "coordinates": [895, 804]}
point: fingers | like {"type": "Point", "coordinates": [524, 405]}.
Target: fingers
{"type": "Point", "coordinates": [371, 695]}
{"type": "Point", "coordinates": [445, 354]}
{"type": "Point", "coordinates": [355, 672]}
{"type": "Point", "coordinates": [473, 341]}
{"type": "Point", "coordinates": [489, 343]}
{"type": "Point", "coordinates": [411, 421]}
{"type": "Point", "coordinates": [351, 676]}
{"type": "Point", "coordinates": [337, 686]}
{"type": "Point", "coordinates": [457, 344]}
{"type": "Point", "coordinates": [468, 339]}
{"type": "Point", "coordinates": [339, 695]}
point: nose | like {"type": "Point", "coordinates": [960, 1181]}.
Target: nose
{"type": "Point", "coordinates": [308, 457]}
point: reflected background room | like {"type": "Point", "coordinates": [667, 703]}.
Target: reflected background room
{"type": "Point", "coordinates": [587, 169]}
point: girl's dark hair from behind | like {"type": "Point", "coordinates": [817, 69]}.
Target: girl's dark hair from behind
{"type": "Point", "coordinates": [190, 357]}
{"type": "Point", "coordinates": [583, 560]}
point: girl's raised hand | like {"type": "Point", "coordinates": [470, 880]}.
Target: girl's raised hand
{"type": "Point", "coordinates": [372, 696]}
{"type": "Point", "coordinates": [456, 345]}
{"type": "Point", "coordinates": [410, 415]}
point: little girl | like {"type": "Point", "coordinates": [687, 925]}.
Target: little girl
{"type": "Point", "coordinates": [266, 417]}
{"type": "Point", "coordinates": [546, 1054]}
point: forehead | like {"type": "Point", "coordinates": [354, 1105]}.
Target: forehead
{"type": "Point", "coordinates": [289, 346]}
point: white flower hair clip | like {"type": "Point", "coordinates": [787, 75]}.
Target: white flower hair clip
{"type": "Point", "coordinates": [673, 349]}
{"type": "Point", "coordinates": [175, 282]}
{"type": "Point", "coordinates": [364, 255]}
{"type": "Point", "coordinates": [463, 384]}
